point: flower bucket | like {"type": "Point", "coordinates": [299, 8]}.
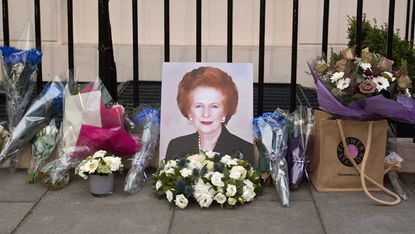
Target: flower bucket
{"type": "Point", "coordinates": [101, 186]}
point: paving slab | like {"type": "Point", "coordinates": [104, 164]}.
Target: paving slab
{"type": "Point", "coordinates": [259, 216]}
{"type": "Point", "coordinates": [11, 213]}
{"type": "Point", "coordinates": [353, 212]}
{"type": "Point", "coordinates": [15, 189]}
{"type": "Point", "coordinates": [74, 210]}
{"type": "Point", "coordinates": [301, 194]}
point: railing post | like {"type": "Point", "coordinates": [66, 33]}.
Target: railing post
{"type": "Point", "coordinates": [230, 31]}
{"type": "Point", "coordinates": [107, 69]}
{"type": "Point", "coordinates": [135, 54]}
{"type": "Point", "coordinates": [6, 32]}
{"type": "Point", "coordinates": [71, 68]}
{"type": "Point", "coordinates": [261, 57]}
{"type": "Point", "coordinates": [166, 30]}
{"type": "Point", "coordinates": [408, 13]}
{"type": "Point", "coordinates": [325, 28]}
{"type": "Point", "coordinates": [198, 30]}
{"type": "Point", "coordinates": [390, 28]}
{"type": "Point", "coordinates": [38, 39]}
{"type": "Point", "coordinates": [293, 88]}
{"type": "Point", "coordinates": [359, 15]}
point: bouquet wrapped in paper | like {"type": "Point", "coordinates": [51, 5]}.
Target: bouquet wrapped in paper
{"type": "Point", "coordinates": [42, 149]}
{"type": "Point", "coordinates": [301, 125]}
{"type": "Point", "coordinates": [363, 88]}
{"type": "Point", "coordinates": [147, 122]}
{"type": "Point", "coordinates": [46, 106]}
{"type": "Point", "coordinates": [271, 133]}
{"type": "Point", "coordinates": [88, 126]}
{"type": "Point", "coordinates": [19, 79]}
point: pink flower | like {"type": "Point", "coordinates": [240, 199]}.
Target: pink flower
{"type": "Point", "coordinates": [367, 86]}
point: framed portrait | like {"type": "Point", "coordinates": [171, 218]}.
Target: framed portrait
{"type": "Point", "coordinates": [208, 107]}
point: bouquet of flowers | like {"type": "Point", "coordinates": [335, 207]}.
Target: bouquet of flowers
{"type": "Point", "coordinates": [46, 106]}
{"type": "Point", "coordinates": [147, 122]}
{"type": "Point", "coordinates": [363, 88]}
{"type": "Point", "coordinates": [301, 125]}
{"type": "Point", "coordinates": [100, 163]}
{"type": "Point", "coordinates": [206, 178]}
{"type": "Point", "coordinates": [19, 78]}
{"type": "Point", "coordinates": [42, 149]}
{"type": "Point", "coordinates": [271, 133]}
{"type": "Point", "coordinates": [88, 126]}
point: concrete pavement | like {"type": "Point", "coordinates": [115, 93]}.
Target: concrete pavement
{"type": "Point", "coordinates": [26, 208]}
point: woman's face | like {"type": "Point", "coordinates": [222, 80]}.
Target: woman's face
{"type": "Point", "coordinates": [207, 109]}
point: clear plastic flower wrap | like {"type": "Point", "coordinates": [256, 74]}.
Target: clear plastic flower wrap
{"type": "Point", "coordinates": [88, 126]}
{"type": "Point", "coordinates": [42, 148]}
{"type": "Point", "coordinates": [301, 126]}
{"type": "Point", "coordinates": [46, 106]}
{"type": "Point", "coordinates": [147, 122]}
{"type": "Point", "coordinates": [19, 79]}
{"type": "Point", "coordinates": [271, 133]}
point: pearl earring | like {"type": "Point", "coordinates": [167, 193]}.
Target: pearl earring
{"type": "Point", "coordinates": [223, 119]}
{"type": "Point", "coordinates": [190, 121]}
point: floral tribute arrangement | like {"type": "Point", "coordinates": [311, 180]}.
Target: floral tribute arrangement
{"type": "Point", "coordinates": [42, 148]}
{"type": "Point", "coordinates": [364, 88]}
{"type": "Point", "coordinates": [19, 78]}
{"type": "Point", "coordinates": [205, 178]}
{"type": "Point", "coordinates": [100, 163]}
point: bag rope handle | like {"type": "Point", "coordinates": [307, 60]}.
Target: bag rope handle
{"type": "Point", "coordinates": [361, 170]}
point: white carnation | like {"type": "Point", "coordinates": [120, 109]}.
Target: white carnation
{"type": "Point", "coordinates": [181, 201]}
{"type": "Point", "coordinates": [232, 162]}
{"type": "Point", "coordinates": [217, 179]}
{"type": "Point", "coordinates": [248, 193]}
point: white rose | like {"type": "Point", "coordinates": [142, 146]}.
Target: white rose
{"type": "Point", "coordinates": [238, 173]}
{"type": "Point", "coordinates": [225, 159]}
{"type": "Point", "coordinates": [248, 194]}
{"type": "Point", "coordinates": [217, 179]}
{"type": "Point", "coordinates": [181, 201]}
{"type": "Point", "coordinates": [231, 201]}
{"type": "Point", "coordinates": [169, 195]}
{"type": "Point", "coordinates": [220, 198]}
{"type": "Point", "coordinates": [205, 200]}
{"type": "Point", "coordinates": [185, 172]}
{"type": "Point", "coordinates": [158, 184]}
{"type": "Point", "coordinates": [99, 154]}
{"type": "Point", "coordinates": [210, 154]}
{"type": "Point", "coordinates": [230, 190]}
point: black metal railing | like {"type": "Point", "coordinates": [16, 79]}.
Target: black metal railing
{"type": "Point", "coordinates": [294, 97]}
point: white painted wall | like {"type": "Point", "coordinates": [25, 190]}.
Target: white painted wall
{"type": "Point", "coordinates": [182, 21]}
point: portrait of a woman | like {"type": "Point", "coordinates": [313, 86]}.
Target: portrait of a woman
{"type": "Point", "coordinates": [208, 98]}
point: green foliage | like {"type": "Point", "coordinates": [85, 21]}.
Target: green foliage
{"type": "Point", "coordinates": [376, 38]}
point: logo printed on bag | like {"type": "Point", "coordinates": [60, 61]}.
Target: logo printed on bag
{"type": "Point", "coordinates": [356, 150]}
